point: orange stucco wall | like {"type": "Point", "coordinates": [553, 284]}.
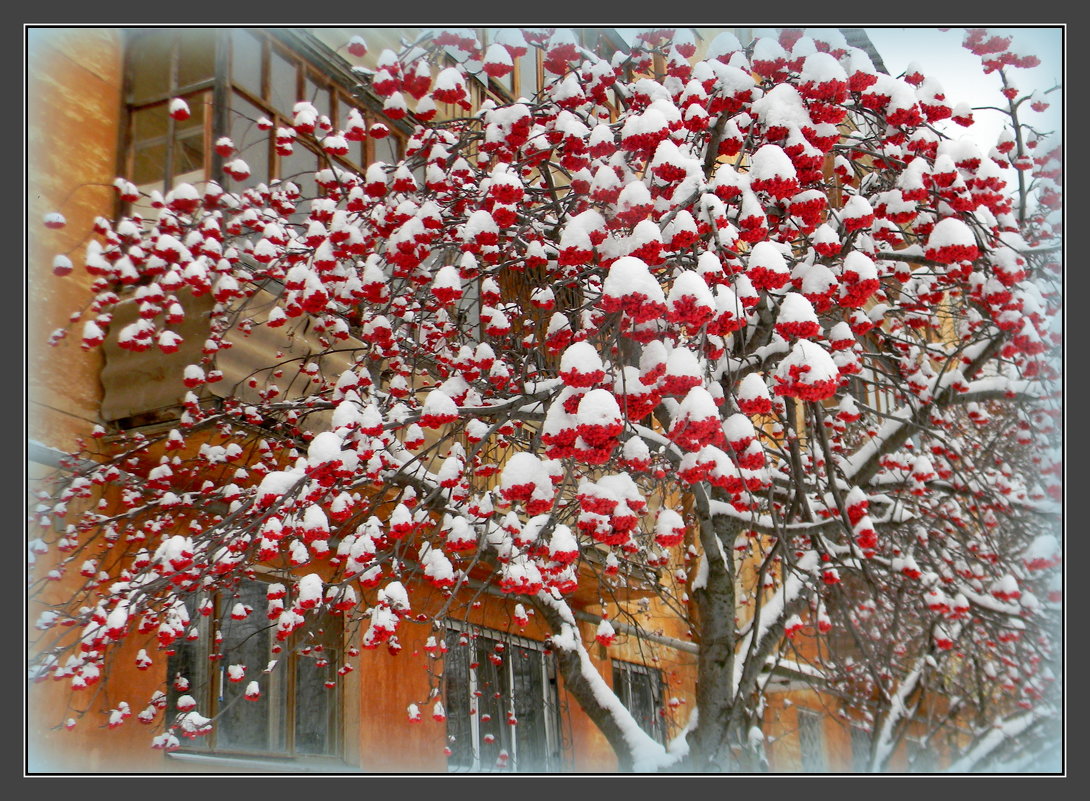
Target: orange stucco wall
{"type": "Point", "coordinates": [73, 109]}
{"type": "Point", "coordinates": [73, 112]}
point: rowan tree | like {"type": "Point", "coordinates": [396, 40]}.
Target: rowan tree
{"type": "Point", "coordinates": [761, 322]}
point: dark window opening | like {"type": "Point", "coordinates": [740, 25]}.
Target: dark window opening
{"type": "Point", "coordinates": [640, 690]}
{"type": "Point", "coordinates": [296, 713]}
{"type": "Point", "coordinates": [501, 703]}
{"type": "Point", "coordinates": [260, 77]}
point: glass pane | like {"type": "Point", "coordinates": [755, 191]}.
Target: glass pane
{"type": "Point", "coordinates": [527, 70]}
{"type": "Point", "coordinates": [456, 702]}
{"type": "Point", "coordinates": [149, 57]}
{"type": "Point", "coordinates": [314, 702]}
{"type": "Point", "coordinates": [150, 123]}
{"type": "Point", "coordinates": [282, 87]}
{"type": "Point", "coordinates": [246, 62]}
{"type": "Point", "coordinates": [860, 750]}
{"type": "Point", "coordinates": [245, 724]}
{"type": "Point", "coordinates": [189, 661]}
{"type": "Point", "coordinates": [189, 142]}
{"type": "Point", "coordinates": [196, 55]}
{"type": "Point", "coordinates": [387, 150]}
{"type": "Point", "coordinates": [251, 143]}
{"type": "Point", "coordinates": [149, 126]}
{"type": "Point", "coordinates": [299, 168]}
{"type": "Point", "coordinates": [811, 743]}
{"type": "Point", "coordinates": [355, 149]}
{"type": "Point", "coordinates": [642, 704]}
{"type": "Point", "coordinates": [491, 705]}
{"type": "Point", "coordinates": [640, 690]}
{"type": "Point", "coordinates": [528, 697]}
{"type": "Point", "coordinates": [149, 166]}
{"type": "Point", "coordinates": [318, 94]}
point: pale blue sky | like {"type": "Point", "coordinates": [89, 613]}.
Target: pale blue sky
{"type": "Point", "coordinates": [941, 56]}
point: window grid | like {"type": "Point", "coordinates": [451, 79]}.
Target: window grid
{"type": "Point", "coordinates": [481, 695]}
{"type": "Point", "coordinates": [640, 689]}
{"type": "Point", "coordinates": [297, 714]}
{"type": "Point", "coordinates": [254, 75]}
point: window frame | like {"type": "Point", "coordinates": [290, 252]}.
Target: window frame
{"type": "Point", "coordinates": [812, 755]}
{"type": "Point", "coordinates": [860, 747]}
{"type": "Point", "coordinates": [312, 69]}
{"type": "Point", "coordinates": [203, 90]}
{"type": "Point", "coordinates": [623, 685]}
{"type": "Point", "coordinates": [548, 706]}
{"type": "Point", "coordinates": [208, 685]}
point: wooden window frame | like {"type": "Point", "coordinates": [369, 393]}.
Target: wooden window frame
{"type": "Point", "coordinates": [221, 89]}
{"type": "Point", "coordinates": [209, 694]}
{"type": "Point", "coordinates": [204, 89]}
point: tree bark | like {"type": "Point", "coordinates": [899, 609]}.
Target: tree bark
{"type": "Point", "coordinates": [715, 603]}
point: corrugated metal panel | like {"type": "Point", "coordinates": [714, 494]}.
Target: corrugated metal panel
{"type": "Point", "coordinates": [138, 383]}
{"type": "Point", "coordinates": [149, 382]}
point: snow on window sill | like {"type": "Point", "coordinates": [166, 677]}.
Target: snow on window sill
{"type": "Point", "coordinates": [270, 765]}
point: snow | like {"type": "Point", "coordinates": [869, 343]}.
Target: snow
{"type": "Point", "coordinates": [767, 256]}
{"type": "Point", "coordinates": [950, 231]}
{"type": "Point", "coordinates": [325, 447]}
{"type": "Point", "coordinates": [782, 106]}
{"type": "Point", "coordinates": [308, 590]}
{"type": "Point", "coordinates": [821, 68]}
{"type": "Point", "coordinates": [524, 468]}
{"type": "Point", "coordinates": [739, 428]}
{"type": "Point", "coordinates": [1005, 730]}
{"type": "Point", "coordinates": [795, 308]}
{"type": "Point", "coordinates": [817, 361]}
{"type": "Point", "coordinates": [696, 370]}
{"type": "Point", "coordinates": [1044, 548]}
{"type": "Point", "coordinates": [634, 194]}
{"type": "Point", "coordinates": [770, 161]}
{"type": "Point", "coordinates": [598, 408]}
{"type": "Point", "coordinates": [724, 44]}
{"type": "Point", "coordinates": [439, 405]}
{"type": "Point", "coordinates": [581, 357]}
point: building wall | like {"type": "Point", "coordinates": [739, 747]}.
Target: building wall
{"type": "Point", "coordinates": [73, 113]}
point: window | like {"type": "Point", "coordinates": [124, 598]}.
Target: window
{"type": "Point", "coordinates": [640, 690]}
{"type": "Point", "coordinates": [860, 750]}
{"type": "Point", "coordinates": [296, 714]}
{"type": "Point", "coordinates": [172, 63]}
{"type": "Point", "coordinates": [501, 703]}
{"type": "Point", "coordinates": [251, 74]}
{"type": "Point", "coordinates": [811, 741]}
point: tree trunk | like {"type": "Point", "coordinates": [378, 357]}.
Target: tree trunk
{"type": "Point", "coordinates": [709, 743]}
{"type": "Point", "coordinates": [570, 662]}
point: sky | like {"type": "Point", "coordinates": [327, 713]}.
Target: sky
{"type": "Point", "coordinates": [940, 55]}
